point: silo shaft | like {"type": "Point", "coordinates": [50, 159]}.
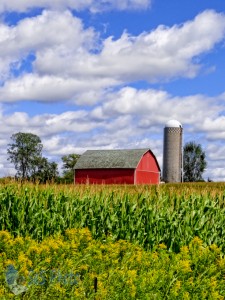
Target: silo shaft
{"type": "Point", "coordinates": [172, 154]}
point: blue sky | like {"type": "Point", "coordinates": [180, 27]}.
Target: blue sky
{"type": "Point", "coordinates": [109, 74]}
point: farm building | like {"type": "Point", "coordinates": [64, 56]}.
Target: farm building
{"type": "Point", "coordinates": [133, 166]}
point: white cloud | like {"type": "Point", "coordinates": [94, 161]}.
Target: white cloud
{"type": "Point", "coordinates": [48, 124]}
{"type": "Point", "coordinates": [215, 174]}
{"type": "Point", "coordinates": [160, 54]}
{"type": "Point", "coordinates": [91, 5]}
{"type": "Point", "coordinates": [152, 107]}
{"type": "Point", "coordinates": [163, 53]}
{"type": "Point", "coordinates": [31, 36]}
{"type": "Point", "coordinates": [78, 66]}
{"type": "Point", "coordinates": [32, 87]}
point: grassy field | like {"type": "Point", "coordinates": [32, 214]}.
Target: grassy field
{"type": "Point", "coordinates": [112, 242]}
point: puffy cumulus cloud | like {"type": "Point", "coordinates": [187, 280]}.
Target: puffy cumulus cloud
{"type": "Point", "coordinates": [160, 54]}
{"type": "Point", "coordinates": [214, 127]}
{"type": "Point", "coordinates": [31, 36]}
{"type": "Point", "coordinates": [48, 124]}
{"type": "Point", "coordinates": [91, 5]}
{"type": "Point", "coordinates": [32, 87]}
{"type": "Point", "coordinates": [215, 174]}
{"type": "Point", "coordinates": [79, 66]}
{"type": "Point", "coordinates": [152, 107]}
{"type": "Point", "coordinates": [164, 52]}
{"type": "Point", "coordinates": [216, 153]}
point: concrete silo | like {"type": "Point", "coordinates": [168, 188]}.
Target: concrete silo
{"type": "Point", "coordinates": [172, 152]}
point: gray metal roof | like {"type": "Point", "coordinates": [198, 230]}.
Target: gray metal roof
{"type": "Point", "coordinates": [110, 159]}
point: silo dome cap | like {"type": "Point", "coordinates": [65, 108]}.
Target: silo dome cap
{"type": "Point", "coordinates": [173, 123]}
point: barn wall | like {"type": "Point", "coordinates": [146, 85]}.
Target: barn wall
{"type": "Point", "coordinates": [147, 171]}
{"type": "Point", "coordinates": [104, 176]}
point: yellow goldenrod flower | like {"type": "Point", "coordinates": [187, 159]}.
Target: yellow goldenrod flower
{"type": "Point", "coordinates": [19, 240]}
{"type": "Point", "coordinates": [213, 282]}
{"type": "Point", "coordinates": [197, 241]}
{"type": "Point", "coordinates": [48, 260]}
{"type": "Point", "coordinates": [185, 266]}
{"type": "Point", "coordinates": [186, 296]}
{"type": "Point", "coordinates": [5, 235]}
{"type": "Point", "coordinates": [184, 250]}
{"type": "Point", "coordinates": [162, 246]}
{"type": "Point", "coordinates": [9, 262]}
{"type": "Point", "coordinates": [2, 291]}
{"type": "Point", "coordinates": [176, 288]}
{"type": "Point", "coordinates": [221, 263]}
{"type": "Point", "coordinates": [57, 286]}
{"type": "Point", "coordinates": [214, 248]}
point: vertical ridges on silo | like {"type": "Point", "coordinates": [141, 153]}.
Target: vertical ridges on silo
{"type": "Point", "coordinates": [172, 152]}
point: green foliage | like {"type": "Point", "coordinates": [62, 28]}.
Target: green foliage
{"type": "Point", "coordinates": [45, 171]}
{"type": "Point", "coordinates": [172, 214]}
{"type": "Point", "coordinates": [69, 162]}
{"type": "Point", "coordinates": [194, 162]}
{"type": "Point", "coordinates": [24, 152]}
{"type": "Point", "coordinates": [75, 266]}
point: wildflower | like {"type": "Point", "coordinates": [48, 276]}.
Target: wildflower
{"type": "Point", "coordinates": [162, 246]}
{"type": "Point", "coordinates": [132, 273]}
{"type": "Point", "coordinates": [186, 296]}
{"type": "Point", "coordinates": [213, 282]}
{"type": "Point", "coordinates": [221, 263]}
{"type": "Point", "coordinates": [102, 291]}
{"type": "Point", "coordinates": [216, 296]}
{"type": "Point", "coordinates": [185, 266]}
{"type": "Point", "coordinates": [44, 249]}
{"type": "Point", "coordinates": [214, 248]}
{"type": "Point", "coordinates": [2, 291]}
{"type": "Point", "coordinates": [48, 260]}
{"type": "Point", "coordinates": [133, 290]}
{"type": "Point", "coordinates": [19, 241]}
{"type": "Point", "coordinates": [5, 235]}
{"type": "Point", "coordinates": [83, 267]}
{"type": "Point", "coordinates": [85, 232]}
{"type": "Point", "coordinates": [9, 262]}
{"type": "Point", "coordinates": [191, 281]}
{"type": "Point", "coordinates": [71, 233]}
{"type": "Point", "coordinates": [24, 271]}
{"type": "Point", "coordinates": [155, 256]}
{"type": "Point", "coordinates": [176, 288]}
{"type": "Point", "coordinates": [23, 259]}
{"type": "Point", "coordinates": [34, 250]}
{"type": "Point", "coordinates": [184, 250]}
{"type": "Point", "coordinates": [59, 288]}
{"type": "Point", "coordinates": [197, 241]}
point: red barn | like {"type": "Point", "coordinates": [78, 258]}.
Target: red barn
{"type": "Point", "coordinates": [134, 166]}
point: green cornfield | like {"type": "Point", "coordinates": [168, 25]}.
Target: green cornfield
{"type": "Point", "coordinates": [172, 214]}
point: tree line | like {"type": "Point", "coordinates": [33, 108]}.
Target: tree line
{"type": "Point", "coordinates": [25, 152]}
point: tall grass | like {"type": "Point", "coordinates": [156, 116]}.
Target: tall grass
{"type": "Point", "coordinates": [146, 215]}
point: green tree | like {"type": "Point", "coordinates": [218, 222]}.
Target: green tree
{"type": "Point", "coordinates": [194, 162]}
{"type": "Point", "coordinates": [45, 171]}
{"type": "Point", "coordinates": [24, 152]}
{"type": "Point", "coordinates": [69, 162]}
